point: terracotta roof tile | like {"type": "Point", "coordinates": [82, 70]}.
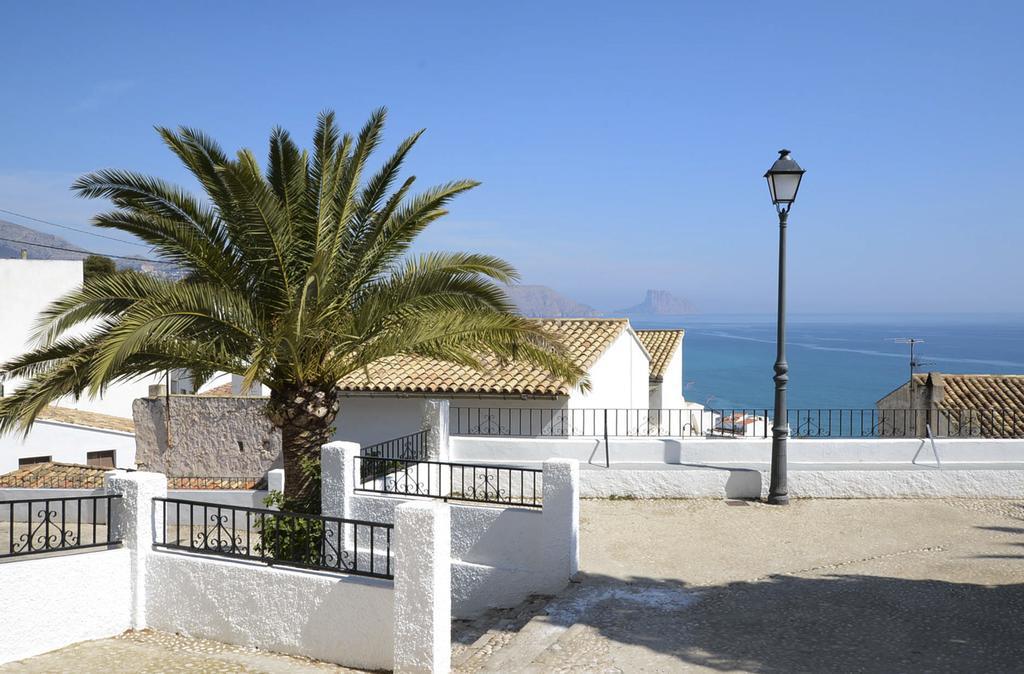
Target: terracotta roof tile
{"type": "Point", "coordinates": [222, 391]}
{"type": "Point", "coordinates": [661, 344]}
{"type": "Point", "coordinates": [584, 338]}
{"type": "Point", "coordinates": [53, 475]}
{"type": "Point", "coordinates": [67, 415]}
{"type": "Point", "coordinates": [996, 399]}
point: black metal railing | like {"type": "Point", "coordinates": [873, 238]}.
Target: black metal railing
{"type": "Point", "coordinates": [606, 422]}
{"type": "Point", "coordinates": [277, 537]}
{"type": "Point", "coordinates": [34, 526]}
{"type": "Point", "coordinates": [735, 423]}
{"type": "Point", "coordinates": [477, 483]}
{"type": "Point", "coordinates": [412, 447]}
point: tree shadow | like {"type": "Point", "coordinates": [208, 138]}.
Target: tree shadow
{"type": "Point", "coordinates": [804, 624]}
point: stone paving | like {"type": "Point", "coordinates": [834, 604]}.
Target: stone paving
{"type": "Point", "coordinates": [820, 586]}
{"type": "Point", "coordinates": [152, 652]}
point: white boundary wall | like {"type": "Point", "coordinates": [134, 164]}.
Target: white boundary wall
{"type": "Point", "coordinates": [499, 555]}
{"type": "Point", "coordinates": [48, 603]}
{"type": "Point", "coordinates": [825, 468]}
{"type": "Point", "coordinates": [52, 602]}
{"type": "Point", "coordinates": [338, 619]}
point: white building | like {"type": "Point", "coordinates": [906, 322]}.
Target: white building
{"type": "Point", "coordinates": [99, 425]}
{"type": "Point", "coordinates": [623, 375]}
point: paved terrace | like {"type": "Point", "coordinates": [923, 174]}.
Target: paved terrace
{"type": "Point", "coordinates": [707, 585]}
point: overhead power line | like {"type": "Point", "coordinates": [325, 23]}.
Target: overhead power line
{"type": "Point", "coordinates": [73, 229]}
{"type": "Point", "coordinates": [82, 252]}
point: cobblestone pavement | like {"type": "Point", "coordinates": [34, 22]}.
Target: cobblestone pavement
{"type": "Point", "coordinates": [823, 585]}
{"type": "Point", "coordinates": [150, 652]}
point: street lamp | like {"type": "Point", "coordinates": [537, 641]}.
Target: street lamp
{"type": "Point", "coordinates": [783, 183]}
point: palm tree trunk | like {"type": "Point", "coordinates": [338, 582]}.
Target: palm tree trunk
{"type": "Point", "coordinates": [305, 415]}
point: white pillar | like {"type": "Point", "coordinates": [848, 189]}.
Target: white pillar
{"type": "Point", "coordinates": [423, 587]}
{"type": "Point", "coordinates": [275, 480]}
{"type": "Point", "coordinates": [435, 422]}
{"type": "Point", "coordinates": [136, 522]}
{"type": "Point", "coordinates": [338, 477]}
{"type": "Point", "coordinates": [561, 521]}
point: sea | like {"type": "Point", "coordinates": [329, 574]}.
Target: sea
{"type": "Point", "coordinates": [835, 361]}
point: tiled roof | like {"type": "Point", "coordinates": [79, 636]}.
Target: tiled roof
{"type": "Point", "coordinates": [584, 338]}
{"type": "Point", "coordinates": [107, 422]}
{"type": "Point", "coordinates": [179, 482]}
{"type": "Point", "coordinates": [222, 391]}
{"type": "Point", "coordinates": [52, 475]}
{"type": "Point", "coordinates": [998, 400]}
{"type": "Point", "coordinates": [661, 344]}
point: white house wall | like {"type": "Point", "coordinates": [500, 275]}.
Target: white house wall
{"type": "Point", "coordinates": [668, 393]}
{"type": "Point", "coordinates": [619, 379]}
{"type": "Point", "coordinates": [367, 420]}
{"type": "Point", "coordinates": [52, 602]}
{"type": "Point", "coordinates": [27, 287]}
{"type": "Point", "coordinates": [65, 443]}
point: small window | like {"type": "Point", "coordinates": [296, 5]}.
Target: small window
{"type": "Point", "coordinates": [103, 459]}
{"type": "Point", "coordinates": [29, 460]}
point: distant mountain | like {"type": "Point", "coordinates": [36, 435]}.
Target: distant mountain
{"type": "Point", "coordinates": [661, 303]}
{"type": "Point", "coordinates": [36, 244]}
{"type": "Point", "coordinates": [544, 302]}
{"type": "Point", "coordinates": [42, 246]}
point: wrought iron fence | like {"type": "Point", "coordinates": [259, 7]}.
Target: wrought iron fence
{"type": "Point", "coordinates": [477, 483]}
{"type": "Point", "coordinates": [735, 423]}
{"type": "Point", "coordinates": [606, 422]}
{"type": "Point", "coordinates": [412, 447]}
{"type": "Point", "coordinates": [277, 537]}
{"type": "Point", "coordinates": [34, 526]}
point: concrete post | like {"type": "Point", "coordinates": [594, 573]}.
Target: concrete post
{"type": "Point", "coordinates": [136, 522]}
{"type": "Point", "coordinates": [423, 587]}
{"type": "Point", "coordinates": [338, 477]}
{"type": "Point", "coordinates": [561, 521]}
{"type": "Point", "coordinates": [435, 422]}
{"type": "Point", "coordinates": [275, 480]}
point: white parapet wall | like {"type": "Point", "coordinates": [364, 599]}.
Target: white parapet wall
{"type": "Point", "coordinates": [499, 555]}
{"type": "Point", "coordinates": [738, 468]}
{"type": "Point", "coordinates": [352, 620]}
{"type": "Point", "coordinates": [347, 620]}
{"type": "Point", "coordinates": [52, 602]}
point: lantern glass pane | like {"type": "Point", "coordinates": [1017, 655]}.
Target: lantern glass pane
{"type": "Point", "coordinates": [784, 186]}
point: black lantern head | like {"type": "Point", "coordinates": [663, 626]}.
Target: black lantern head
{"type": "Point", "coordinates": [784, 180]}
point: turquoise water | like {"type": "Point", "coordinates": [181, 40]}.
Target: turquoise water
{"type": "Point", "coordinates": [834, 361]}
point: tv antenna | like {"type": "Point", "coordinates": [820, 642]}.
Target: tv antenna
{"type": "Point", "coordinates": [914, 362]}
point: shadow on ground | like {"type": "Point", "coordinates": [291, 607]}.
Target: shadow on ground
{"type": "Point", "coordinates": [800, 624]}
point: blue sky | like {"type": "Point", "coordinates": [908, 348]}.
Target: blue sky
{"type": "Point", "coordinates": [620, 145]}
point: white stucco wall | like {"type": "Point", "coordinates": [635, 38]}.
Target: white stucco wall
{"type": "Point", "coordinates": [619, 379]}
{"type": "Point", "coordinates": [499, 555]}
{"type": "Point", "coordinates": [338, 619]}
{"type": "Point", "coordinates": [528, 451]}
{"type": "Point", "coordinates": [668, 393]}
{"type": "Point", "coordinates": [27, 287]}
{"type": "Point", "coordinates": [372, 419]}
{"type": "Point", "coordinates": [52, 602]}
{"type": "Point", "coordinates": [65, 443]}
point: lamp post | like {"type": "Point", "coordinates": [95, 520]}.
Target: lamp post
{"type": "Point", "coordinates": [783, 182]}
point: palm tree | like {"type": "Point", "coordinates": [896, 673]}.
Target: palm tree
{"type": "Point", "coordinates": [294, 278]}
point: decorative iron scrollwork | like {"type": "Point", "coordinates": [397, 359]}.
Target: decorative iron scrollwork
{"type": "Point", "coordinates": [221, 538]}
{"type": "Point", "coordinates": [49, 533]}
